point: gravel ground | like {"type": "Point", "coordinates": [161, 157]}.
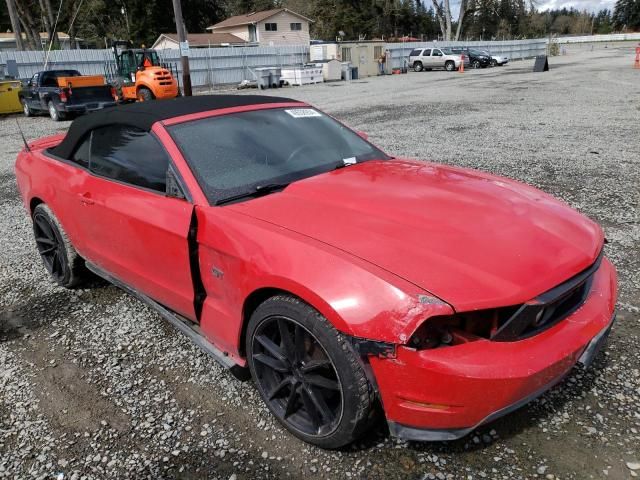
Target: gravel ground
{"type": "Point", "coordinates": [95, 385]}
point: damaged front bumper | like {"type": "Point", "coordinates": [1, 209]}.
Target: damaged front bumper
{"type": "Point", "coordinates": [445, 393]}
{"type": "Point", "coordinates": [426, 435]}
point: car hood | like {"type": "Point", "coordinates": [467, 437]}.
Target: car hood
{"type": "Point", "coordinates": [472, 239]}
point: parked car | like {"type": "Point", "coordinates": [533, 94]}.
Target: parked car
{"type": "Point", "coordinates": [430, 58]}
{"type": "Point", "coordinates": [477, 59]}
{"type": "Point", "coordinates": [65, 92]}
{"type": "Point", "coordinates": [343, 278]}
{"type": "Point", "coordinates": [497, 60]}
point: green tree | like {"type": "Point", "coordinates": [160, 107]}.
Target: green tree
{"type": "Point", "coordinates": [626, 15]}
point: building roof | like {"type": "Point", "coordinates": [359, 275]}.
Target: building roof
{"type": "Point", "coordinates": [203, 39]}
{"type": "Point", "coordinates": [144, 114]}
{"type": "Point", "coordinates": [253, 17]}
{"type": "Point", "coordinates": [10, 36]}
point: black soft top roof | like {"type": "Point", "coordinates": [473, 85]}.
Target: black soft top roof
{"type": "Point", "coordinates": [144, 114]}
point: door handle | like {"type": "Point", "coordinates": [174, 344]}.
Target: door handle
{"type": "Point", "coordinates": [85, 199]}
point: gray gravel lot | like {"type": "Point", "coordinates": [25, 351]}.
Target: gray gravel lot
{"type": "Point", "coordinates": [94, 385]}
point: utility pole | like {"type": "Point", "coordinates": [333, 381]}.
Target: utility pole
{"type": "Point", "coordinates": [15, 24]}
{"type": "Point", "coordinates": [184, 48]}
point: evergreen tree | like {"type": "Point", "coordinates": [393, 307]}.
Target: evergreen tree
{"type": "Point", "coordinates": [626, 15]}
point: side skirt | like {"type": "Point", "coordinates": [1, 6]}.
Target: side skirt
{"type": "Point", "coordinates": [184, 325]}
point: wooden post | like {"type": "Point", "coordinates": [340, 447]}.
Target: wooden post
{"type": "Point", "coordinates": [184, 48]}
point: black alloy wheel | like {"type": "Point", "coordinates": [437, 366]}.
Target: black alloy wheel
{"type": "Point", "coordinates": [50, 246]}
{"type": "Point", "coordinates": [308, 373]}
{"type": "Point", "coordinates": [61, 260]}
{"type": "Point", "coordinates": [296, 376]}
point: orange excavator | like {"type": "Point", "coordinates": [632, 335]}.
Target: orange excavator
{"type": "Point", "coordinates": [138, 74]}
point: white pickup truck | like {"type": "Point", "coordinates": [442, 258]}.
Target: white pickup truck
{"type": "Point", "coordinates": [430, 58]}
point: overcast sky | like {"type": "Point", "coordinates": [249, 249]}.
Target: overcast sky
{"type": "Point", "coordinates": [541, 5]}
{"type": "Point", "coordinates": [590, 5]}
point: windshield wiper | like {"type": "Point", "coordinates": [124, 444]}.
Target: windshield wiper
{"type": "Point", "coordinates": [258, 191]}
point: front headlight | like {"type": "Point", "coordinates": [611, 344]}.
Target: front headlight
{"type": "Point", "coordinates": [460, 328]}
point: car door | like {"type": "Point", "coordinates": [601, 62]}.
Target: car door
{"type": "Point", "coordinates": [133, 229]}
{"type": "Point", "coordinates": [425, 58]}
{"type": "Point", "coordinates": [437, 59]}
{"type": "Point", "coordinates": [32, 98]}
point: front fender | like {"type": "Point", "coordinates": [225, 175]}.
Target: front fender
{"type": "Point", "coordinates": [239, 255]}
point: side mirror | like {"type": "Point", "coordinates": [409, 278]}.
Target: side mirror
{"type": "Point", "coordinates": [362, 135]}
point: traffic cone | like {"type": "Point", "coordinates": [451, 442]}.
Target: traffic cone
{"type": "Point", "coordinates": [461, 69]}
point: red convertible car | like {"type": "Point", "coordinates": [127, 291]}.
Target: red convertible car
{"type": "Point", "coordinates": [345, 280]}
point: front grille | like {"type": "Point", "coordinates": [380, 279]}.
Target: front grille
{"type": "Point", "coordinates": [548, 309]}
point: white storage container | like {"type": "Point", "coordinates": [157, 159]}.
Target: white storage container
{"type": "Point", "coordinates": [323, 51]}
{"type": "Point", "coordinates": [331, 70]}
{"type": "Point", "coordinates": [302, 75]}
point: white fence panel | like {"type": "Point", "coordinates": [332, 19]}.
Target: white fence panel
{"type": "Point", "coordinates": [209, 66]}
{"type": "Point", "coordinates": [612, 37]}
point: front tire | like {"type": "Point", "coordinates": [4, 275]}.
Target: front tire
{"type": "Point", "coordinates": [60, 259]}
{"type": "Point", "coordinates": [307, 373]}
{"type": "Point", "coordinates": [26, 109]}
{"type": "Point", "coordinates": [476, 64]}
{"type": "Point", "coordinates": [417, 66]}
{"type": "Point", "coordinates": [494, 63]}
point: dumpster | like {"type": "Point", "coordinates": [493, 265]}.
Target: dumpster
{"type": "Point", "coordinates": [346, 71]}
{"type": "Point", "coordinates": [9, 102]}
{"type": "Point", "coordinates": [276, 75]}
{"type": "Point", "coordinates": [263, 77]}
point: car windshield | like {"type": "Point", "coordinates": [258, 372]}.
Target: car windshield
{"type": "Point", "coordinates": [475, 52]}
{"type": "Point", "coordinates": [241, 155]}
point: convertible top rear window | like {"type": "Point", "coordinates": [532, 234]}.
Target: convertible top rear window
{"type": "Point", "coordinates": [241, 153]}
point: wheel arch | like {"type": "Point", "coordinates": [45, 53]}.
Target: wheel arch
{"type": "Point", "coordinates": [145, 85]}
{"type": "Point", "coordinates": [258, 296]}
{"type": "Point", "coordinates": [33, 203]}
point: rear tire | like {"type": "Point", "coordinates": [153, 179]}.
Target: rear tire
{"type": "Point", "coordinates": [449, 66]}
{"type": "Point", "coordinates": [144, 95]}
{"type": "Point", "coordinates": [60, 259]}
{"type": "Point", "coordinates": [307, 373]}
{"type": "Point", "coordinates": [55, 115]}
{"type": "Point", "coordinates": [417, 66]}
{"type": "Point", "coordinates": [476, 64]}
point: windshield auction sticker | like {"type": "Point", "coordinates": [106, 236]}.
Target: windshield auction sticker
{"type": "Point", "coordinates": [303, 113]}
